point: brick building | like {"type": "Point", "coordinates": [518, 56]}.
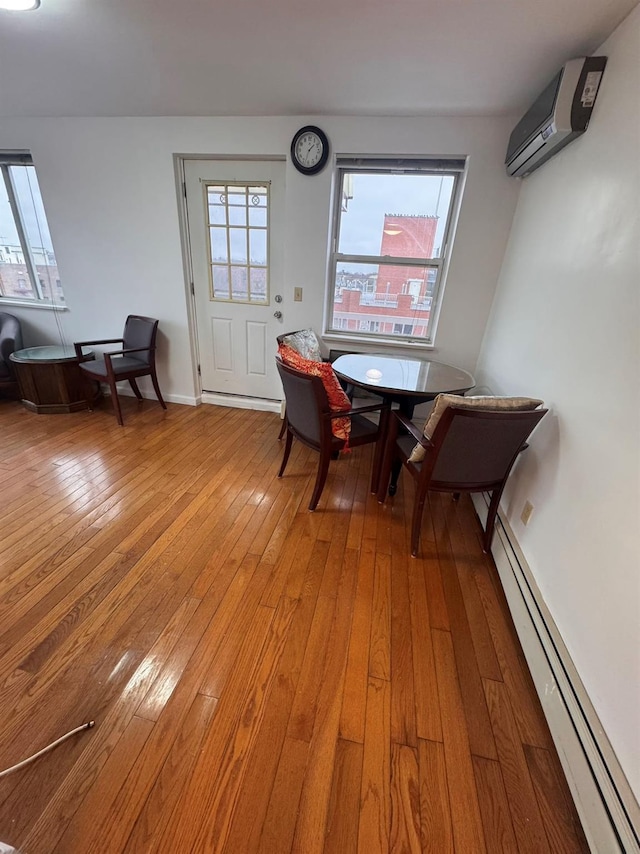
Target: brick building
{"type": "Point", "coordinates": [396, 300]}
{"type": "Point", "coordinates": [14, 275]}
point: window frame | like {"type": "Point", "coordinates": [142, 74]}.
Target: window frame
{"type": "Point", "coordinates": [24, 158]}
{"type": "Point", "coordinates": [454, 167]}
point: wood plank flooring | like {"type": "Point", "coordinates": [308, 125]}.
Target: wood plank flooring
{"type": "Point", "coordinates": [262, 678]}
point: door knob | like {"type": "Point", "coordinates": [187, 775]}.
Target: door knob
{"type": "Point", "coordinates": [277, 315]}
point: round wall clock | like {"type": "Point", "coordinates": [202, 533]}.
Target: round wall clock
{"type": "Point", "coordinates": [309, 150]}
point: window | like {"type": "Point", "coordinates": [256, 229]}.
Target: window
{"type": "Point", "coordinates": [28, 268]}
{"type": "Point", "coordinates": [238, 222]}
{"type": "Point", "coordinates": [391, 232]}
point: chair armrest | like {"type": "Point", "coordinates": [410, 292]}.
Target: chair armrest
{"type": "Point", "coordinates": [343, 413]}
{"type": "Point", "coordinates": [101, 341]}
{"type": "Point", "coordinates": [78, 345]}
{"type": "Point", "coordinates": [372, 407]}
{"type": "Point", "coordinates": [416, 432]}
{"type": "Point", "coordinates": [129, 350]}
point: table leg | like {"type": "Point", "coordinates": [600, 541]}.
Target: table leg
{"type": "Point", "coordinates": [381, 444]}
{"type": "Point", "coordinates": [407, 407]}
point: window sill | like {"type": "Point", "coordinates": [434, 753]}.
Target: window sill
{"type": "Point", "coordinates": [379, 342]}
{"type": "Point", "coordinates": [18, 303]}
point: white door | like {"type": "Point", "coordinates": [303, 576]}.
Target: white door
{"type": "Point", "coordinates": [236, 221]}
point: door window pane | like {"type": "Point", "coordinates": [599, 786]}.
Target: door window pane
{"type": "Point", "coordinates": [258, 216]}
{"type": "Point", "coordinates": [238, 245]}
{"type": "Point", "coordinates": [237, 198]}
{"type": "Point", "coordinates": [239, 238]}
{"type": "Point", "coordinates": [258, 284]}
{"type": "Point", "coordinates": [258, 246]}
{"type": "Point", "coordinates": [220, 276]}
{"type": "Point", "coordinates": [237, 215]}
{"type": "Point", "coordinates": [217, 202]}
{"type": "Point", "coordinates": [239, 284]}
{"type": "Point", "coordinates": [219, 245]}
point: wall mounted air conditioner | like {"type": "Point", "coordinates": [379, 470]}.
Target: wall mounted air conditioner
{"type": "Point", "coordinates": [557, 117]}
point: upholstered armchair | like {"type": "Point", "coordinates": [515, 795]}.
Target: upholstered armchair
{"type": "Point", "coordinates": [10, 341]}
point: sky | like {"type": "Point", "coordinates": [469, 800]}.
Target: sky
{"type": "Point", "coordinates": [30, 200]}
{"type": "Point", "coordinates": [377, 195]}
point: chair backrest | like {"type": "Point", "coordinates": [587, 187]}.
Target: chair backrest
{"type": "Point", "coordinates": [307, 403]}
{"type": "Point", "coordinates": [141, 331]}
{"type": "Point", "coordinates": [303, 341]}
{"type": "Point", "coordinates": [10, 341]}
{"type": "Point", "coordinates": [476, 447]}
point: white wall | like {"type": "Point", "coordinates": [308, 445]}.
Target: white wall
{"type": "Point", "coordinates": [565, 327]}
{"type": "Point", "coordinates": [109, 192]}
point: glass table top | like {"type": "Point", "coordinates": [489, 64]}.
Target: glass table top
{"type": "Point", "coordinates": [403, 375]}
{"type": "Point", "coordinates": [49, 353]}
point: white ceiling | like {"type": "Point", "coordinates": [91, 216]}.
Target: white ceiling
{"type": "Point", "coordinates": [291, 57]}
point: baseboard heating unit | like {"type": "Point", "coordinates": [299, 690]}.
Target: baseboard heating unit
{"type": "Point", "coordinates": [608, 810]}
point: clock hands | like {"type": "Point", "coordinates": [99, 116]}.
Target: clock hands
{"type": "Point", "coordinates": [314, 145]}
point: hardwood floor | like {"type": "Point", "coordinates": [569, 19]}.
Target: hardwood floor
{"type": "Point", "coordinates": [262, 678]}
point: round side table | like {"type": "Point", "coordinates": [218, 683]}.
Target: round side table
{"type": "Point", "coordinates": [50, 380]}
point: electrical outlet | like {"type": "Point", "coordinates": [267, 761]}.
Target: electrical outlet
{"type": "Point", "coordinates": [297, 294]}
{"type": "Point", "coordinates": [527, 510]}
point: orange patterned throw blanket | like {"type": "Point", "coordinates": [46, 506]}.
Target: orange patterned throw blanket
{"type": "Point", "coordinates": [338, 400]}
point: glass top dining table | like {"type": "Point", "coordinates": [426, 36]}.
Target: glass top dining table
{"type": "Point", "coordinates": [407, 380]}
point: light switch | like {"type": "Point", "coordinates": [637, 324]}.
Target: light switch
{"type": "Point", "coordinates": [527, 510]}
{"type": "Point", "coordinates": [297, 294]}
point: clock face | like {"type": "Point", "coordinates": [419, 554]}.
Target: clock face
{"type": "Point", "coordinates": [309, 150]}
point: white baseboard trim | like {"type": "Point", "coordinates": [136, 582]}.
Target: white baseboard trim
{"type": "Point", "coordinates": [185, 400]}
{"type": "Point", "coordinates": [239, 402]}
{"type": "Point", "coordinates": [233, 400]}
{"type": "Point", "coordinates": [608, 810]}
{"type": "Point", "coordinates": [182, 399]}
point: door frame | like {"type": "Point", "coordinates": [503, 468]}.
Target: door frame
{"type": "Point", "coordinates": [216, 399]}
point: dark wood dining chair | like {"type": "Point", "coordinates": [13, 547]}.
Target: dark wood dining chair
{"type": "Point", "coordinates": [302, 340]}
{"type": "Point", "coordinates": [136, 358]}
{"type": "Point", "coordinates": [471, 450]}
{"type": "Point", "coordinates": [309, 421]}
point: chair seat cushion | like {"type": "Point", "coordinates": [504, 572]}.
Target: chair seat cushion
{"type": "Point", "coordinates": [305, 342]}
{"type": "Point", "coordinates": [488, 403]}
{"type": "Point", "coordinates": [338, 400]}
{"type": "Point", "coordinates": [120, 364]}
